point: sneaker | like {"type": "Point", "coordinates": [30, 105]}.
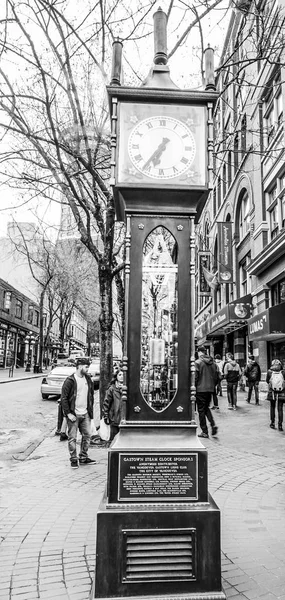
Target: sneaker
{"type": "Point", "coordinates": [57, 432]}
{"type": "Point", "coordinates": [214, 430]}
{"type": "Point", "coordinates": [230, 407]}
{"type": "Point", "coordinates": [203, 435]}
{"type": "Point", "coordinates": [215, 408]}
{"type": "Point", "coordinates": [257, 404]}
{"type": "Point", "coordinates": [234, 407]}
{"type": "Point", "coordinates": [272, 426]}
{"type": "Point", "coordinates": [63, 437]}
{"type": "Point", "coordinates": [280, 428]}
{"type": "Point", "coordinates": [74, 464]}
{"type": "Point", "coordinates": [87, 461]}
{"type": "Point", "coordinates": [248, 401]}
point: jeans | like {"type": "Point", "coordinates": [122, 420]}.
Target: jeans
{"type": "Point", "coordinates": [253, 385]}
{"type": "Point", "coordinates": [203, 400]}
{"type": "Point", "coordinates": [83, 423]}
{"type": "Point", "coordinates": [232, 393]}
{"type": "Point", "coordinates": [279, 410]}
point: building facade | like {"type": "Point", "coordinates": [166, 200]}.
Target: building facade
{"type": "Point", "coordinates": [248, 193]}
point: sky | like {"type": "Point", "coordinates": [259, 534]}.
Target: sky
{"type": "Point", "coordinates": [180, 69]}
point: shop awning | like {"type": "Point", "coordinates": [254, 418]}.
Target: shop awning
{"type": "Point", "coordinates": [268, 325]}
{"type": "Point", "coordinates": [233, 316]}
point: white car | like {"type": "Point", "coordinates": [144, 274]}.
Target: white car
{"type": "Point", "coordinates": [53, 382]}
{"type": "Point", "coordinates": [74, 354]}
{"type": "Point", "coordinates": [94, 371]}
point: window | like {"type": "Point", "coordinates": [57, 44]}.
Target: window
{"type": "Point", "coordinates": [229, 168]}
{"type": "Point", "coordinates": [236, 147]}
{"type": "Point", "coordinates": [283, 211]}
{"type": "Point", "coordinates": [278, 292]}
{"type": "Point", "coordinates": [274, 226]}
{"type": "Point", "coordinates": [244, 218]}
{"type": "Point", "coordinates": [44, 320]}
{"type": "Point", "coordinates": [243, 276]}
{"type": "Point", "coordinates": [224, 180]}
{"type": "Point", "coordinates": [36, 318]}
{"type": "Point", "coordinates": [272, 109]}
{"type": "Point", "coordinates": [7, 301]}
{"type": "Point", "coordinates": [19, 309]}
{"type": "Point", "coordinates": [30, 314]}
{"type": "Point", "coordinates": [219, 192]}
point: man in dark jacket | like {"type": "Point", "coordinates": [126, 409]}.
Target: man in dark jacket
{"type": "Point", "coordinates": [77, 398]}
{"type": "Point", "coordinates": [252, 373]}
{"type": "Point", "coordinates": [206, 379]}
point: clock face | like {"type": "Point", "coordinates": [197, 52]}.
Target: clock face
{"type": "Point", "coordinates": [161, 147]}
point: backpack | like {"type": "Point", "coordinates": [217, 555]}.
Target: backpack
{"type": "Point", "coordinates": [277, 381]}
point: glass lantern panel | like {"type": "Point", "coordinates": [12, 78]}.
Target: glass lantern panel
{"type": "Point", "coordinates": [159, 336]}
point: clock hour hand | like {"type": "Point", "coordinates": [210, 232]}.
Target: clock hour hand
{"type": "Point", "coordinates": [155, 157]}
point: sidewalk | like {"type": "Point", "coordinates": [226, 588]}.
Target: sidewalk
{"type": "Point", "coordinates": [19, 374]}
{"type": "Point", "coordinates": [48, 512]}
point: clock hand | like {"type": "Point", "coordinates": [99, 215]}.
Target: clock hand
{"type": "Point", "coordinates": [155, 157]}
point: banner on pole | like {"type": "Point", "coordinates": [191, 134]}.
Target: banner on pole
{"type": "Point", "coordinates": [225, 263]}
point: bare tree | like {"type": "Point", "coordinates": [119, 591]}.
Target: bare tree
{"type": "Point", "coordinates": [54, 114]}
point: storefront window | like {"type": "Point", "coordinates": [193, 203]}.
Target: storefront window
{"type": "Point", "coordinates": [2, 346]}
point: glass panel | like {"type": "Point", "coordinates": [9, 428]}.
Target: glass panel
{"type": "Point", "coordinates": [159, 338]}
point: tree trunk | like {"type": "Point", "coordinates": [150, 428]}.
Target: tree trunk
{"type": "Point", "coordinates": [106, 324]}
{"type": "Point", "coordinates": [41, 332]}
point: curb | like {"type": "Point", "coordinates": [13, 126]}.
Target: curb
{"type": "Point", "coordinates": [11, 379]}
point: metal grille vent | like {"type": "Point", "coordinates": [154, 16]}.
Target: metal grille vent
{"type": "Point", "coordinates": [159, 556]}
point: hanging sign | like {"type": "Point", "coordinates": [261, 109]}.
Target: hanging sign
{"type": "Point", "coordinates": [225, 264]}
{"type": "Point", "coordinates": [204, 267]}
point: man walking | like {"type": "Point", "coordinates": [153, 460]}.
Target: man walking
{"type": "Point", "coordinates": [252, 373]}
{"type": "Point", "coordinates": [206, 379]}
{"type": "Point", "coordinates": [77, 398]}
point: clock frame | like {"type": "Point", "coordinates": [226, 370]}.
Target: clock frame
{"type": "Point", "coordinates": [147, 162]}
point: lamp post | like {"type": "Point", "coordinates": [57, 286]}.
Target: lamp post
{"type": "Point", "coordinates": [30, 341]}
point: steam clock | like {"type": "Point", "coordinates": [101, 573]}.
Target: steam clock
{"type": "Point", "coordinates": [158, 528]}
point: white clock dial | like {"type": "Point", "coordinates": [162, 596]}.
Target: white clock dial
{"type": "Point", "coordinates": [161, 147]}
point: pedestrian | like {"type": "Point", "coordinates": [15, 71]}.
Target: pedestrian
{"type": "Point", "coordinates": [276, 383]}
{"type": "Point", "coordinates": [252, 374]}
{"type": "Point", "coordinates": [112, 405]}
{"type": "Point", "coordinates": [218, 389]}
{"type": "Point", "coordinates": [232, 372]}
{"type": "Point", "coordinates": [77, 398]}
{"type": "Point", "coordinates": [206, 379]}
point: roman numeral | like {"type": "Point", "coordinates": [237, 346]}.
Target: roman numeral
{"type": "Point", "coordinates": [149, 125]}
{"type": "Point", "coordinates": [135, 146]}
{"type": "Point", "coordinates": [160, 171]}
{"type": "Point", "coordinates": [188, 148]}
{"type": "Point", "coordinates": [147, 169]}
{"type": "Point", "coordinates": [175, 170]}
{"type": "Point", "coordinates": [138, 157]}
{"type": "Point", "coordinates": [185, 135]}
{"type": "Point", "coordinates": [184, 160]}
{"type": "Point", "coordinates": [162, 122]}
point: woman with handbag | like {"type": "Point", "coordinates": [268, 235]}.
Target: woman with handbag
{"type": "Point", "coordinates": [112, 404]}
{"type": "Point", "coordinates": [276, 383]}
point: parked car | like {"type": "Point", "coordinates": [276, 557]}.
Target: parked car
{"type": "Point", "coordinates": [94, 371]}
{"type": "Point", "coordinates": [52, 383]}
{"type": "Point", "coordinates": [74, 354]}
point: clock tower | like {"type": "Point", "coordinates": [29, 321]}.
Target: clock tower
{"type": "Point", "coordinates": [158, 528]}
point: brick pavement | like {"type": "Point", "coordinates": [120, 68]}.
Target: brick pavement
{"type": "Point", "coordinates": [47, 513]}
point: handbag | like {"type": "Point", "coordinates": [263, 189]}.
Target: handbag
{"type": "Point", "coordinates": [104, 431]}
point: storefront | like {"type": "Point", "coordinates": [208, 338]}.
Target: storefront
{"type": "Point", "coordinates": [227, 330]}
{"type": "Point", "coordinates": [269, 327]}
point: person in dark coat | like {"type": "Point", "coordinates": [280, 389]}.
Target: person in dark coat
{"type": "Point", "coordinates": [206, 379]}
{"type": "Point", "coordinates": [77, 399]}
{"type": "Point", "coordinates": [112, 405]}
{"type": "Point", "coordinates": [232, 372]}
{"type": "Point", "coordinates": [252, 373]}
{"type": "Point", "coordinates": [273, 396]}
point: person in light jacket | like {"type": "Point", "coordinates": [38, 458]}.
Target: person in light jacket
{"type": "Point", "coordinates": [112, 405]}
{"type": "Point", "coordinates": [272, 396]}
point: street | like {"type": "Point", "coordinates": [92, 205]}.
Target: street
{"type": "Point", "coordinates": [48, 511]}
{"type": "Point", "coordinates": [25, 417]}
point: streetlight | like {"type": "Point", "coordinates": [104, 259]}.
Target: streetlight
{"type": "Point", "coordinates": [30, 341]}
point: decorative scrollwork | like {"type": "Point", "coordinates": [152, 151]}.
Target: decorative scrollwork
{"type": "Point", "coordinates": [137, 409]}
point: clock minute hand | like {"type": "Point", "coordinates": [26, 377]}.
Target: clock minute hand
{"type": "Point", "coordinates": [155, 157]}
